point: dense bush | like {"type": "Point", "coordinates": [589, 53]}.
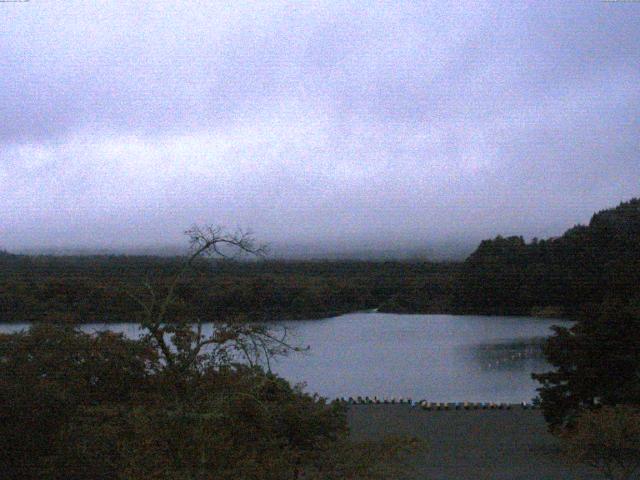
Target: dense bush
{"type": "Point", "coordinates": [79, 406]}
{"type": "Point", "coordinates": [596, 362]}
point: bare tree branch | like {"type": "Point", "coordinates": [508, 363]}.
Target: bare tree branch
{"type": "Point", "coordinates": [183, 344]}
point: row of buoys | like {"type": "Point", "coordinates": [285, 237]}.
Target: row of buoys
{"type": "Point", "coordinates": [374, 400]}
{"type": "Point", "coordinates": [425, 405]}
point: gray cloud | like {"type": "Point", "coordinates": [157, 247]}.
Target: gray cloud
{"type": "Point", "coordinates": [326, 122]}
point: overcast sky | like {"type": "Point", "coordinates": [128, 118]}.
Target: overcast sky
{"type": "Point", "coordinates": [348, 124]}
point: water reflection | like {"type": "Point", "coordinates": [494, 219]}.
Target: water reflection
{"type": "Point", "coordinates": [438, 357]}
{"type": "Point", "coordinates": [516, 354]}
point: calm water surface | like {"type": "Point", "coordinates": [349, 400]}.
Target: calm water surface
{"type": "Point", "coordinates": [443, 358]}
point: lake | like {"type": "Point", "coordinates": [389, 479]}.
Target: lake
{"type": "Point", "coordinates": [441, 358]}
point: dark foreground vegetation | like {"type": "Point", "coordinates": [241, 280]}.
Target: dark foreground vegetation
{"type": "Point", "coordinates": [173, 404]}
{"type": "Point", "coordinates": [75, 406]}
{"type": "Point", "coordinates": [591, 398]}
{"type": "Point", "coordinates": [558, 277]}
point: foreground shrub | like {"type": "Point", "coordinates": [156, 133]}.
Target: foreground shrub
{"type": "Point", "coordinates": [596, 362]}
{"type": "Point", "coordinates": [79, 406]}
{"type": "Point", "coordinates": [607, 439]}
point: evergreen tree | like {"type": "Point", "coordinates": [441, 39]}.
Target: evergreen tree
{"type": "Point", "coordinates": [597, 362]}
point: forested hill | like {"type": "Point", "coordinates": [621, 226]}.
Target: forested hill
{"type": "Point", "coordinates": [559, 276]}
{"type": "Point", "coordinates": [556, 277]}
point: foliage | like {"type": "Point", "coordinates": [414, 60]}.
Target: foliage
{"type": "Point", "coordinates": [586, 266]}
{"type": "Point", "coordinates": [607, 439]}
{"type": "Point", "coordinates": [597, 362]}
{"type": "Point", "coordinates": [91, 289]}
{"type": "Point", "coordinates": [174, 404]}
{"type": "Point", "coordinates": [79, 406]}
{"type": "Point", "coordinates": [51, 378]}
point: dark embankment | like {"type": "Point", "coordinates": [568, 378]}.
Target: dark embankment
{"type": "Point", "coordinates": [471, 444]}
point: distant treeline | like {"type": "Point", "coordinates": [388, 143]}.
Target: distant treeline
{"type": "Point", "coordinates": [555, 277]}
{"type": "Point", "coordinates": [99, 288]}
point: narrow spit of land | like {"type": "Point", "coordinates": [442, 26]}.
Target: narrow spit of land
{"type": "Point", "coordinates": [471, 444]}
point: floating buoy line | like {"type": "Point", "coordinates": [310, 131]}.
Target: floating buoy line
{"type": "Point", "coordinates": [427, 405]}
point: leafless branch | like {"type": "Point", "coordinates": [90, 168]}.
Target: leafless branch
{"type": "Point", "coordinates": [180, 344]}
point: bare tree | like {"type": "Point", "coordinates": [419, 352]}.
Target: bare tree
{"type": "Point", "coordinates": [182, 342]}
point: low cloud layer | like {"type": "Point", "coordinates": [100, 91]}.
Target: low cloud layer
{"type": "Point", "coordinates": [322, 123]}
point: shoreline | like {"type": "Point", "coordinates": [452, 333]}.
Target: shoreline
{"type": "Point", "coordinates": [319, 316]}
